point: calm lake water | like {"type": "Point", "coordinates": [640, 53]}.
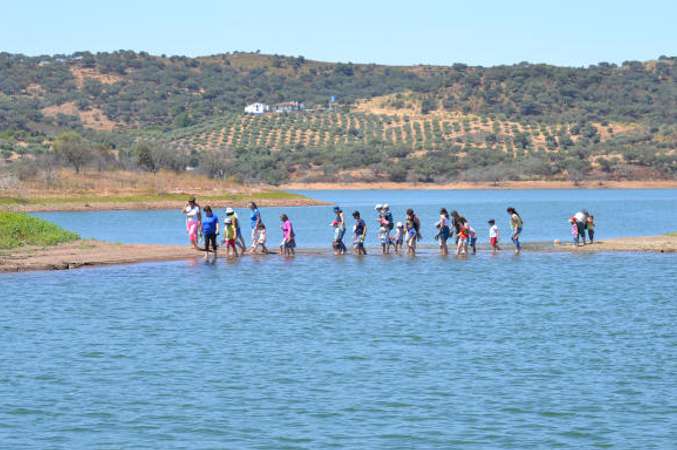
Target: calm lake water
{"type": "Point", "coordinates": [540, 350]}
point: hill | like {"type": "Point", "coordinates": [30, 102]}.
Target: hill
{"type": "Point", "coordinates": [424, 123]}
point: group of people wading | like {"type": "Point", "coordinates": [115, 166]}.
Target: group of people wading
{"type": "Point", "coordinates": [392, 236]}
{"type": "Point", "coordinates": [204, 222]}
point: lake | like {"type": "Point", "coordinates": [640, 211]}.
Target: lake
{"type": "Point", "coordinates": [539, 350]}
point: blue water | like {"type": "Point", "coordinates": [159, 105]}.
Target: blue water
{"type": "Point", "coordinates": [617, 213]}
{"type": "Point", "coordinates": [540, 350]}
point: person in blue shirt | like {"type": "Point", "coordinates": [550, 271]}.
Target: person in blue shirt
{"type": "Point", "coordinates": [210, 229]}
{"type": "Point", "coordinates": [254, 221]}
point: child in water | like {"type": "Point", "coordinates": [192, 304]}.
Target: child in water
{"type": "Point", "coordinates": [493, 235]}
{"type": "Point", "coordinates": [411, 237]}
{"type": "Point", "coordinates": [229, 237]}
{"type": "Point", "coordinates": [472, 238]}
{"type": "Point", "coordinates": [399, 237]}
{"type": "Point", "coordinates": [574, 231]}
{"type": "Point", "coordinates": [383, 238]}
{"type": "Point", "coordinates": [260, 239]}
{"type": "Point", "coordinates": [462, 244]}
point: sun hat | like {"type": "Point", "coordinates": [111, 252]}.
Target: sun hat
{"type": "Point", "coordinates": [399, 225]}
{"type": "Point", "coordinates": [229, 211]}
{"type": "Point", "coordinates": [377, 207]}
{"type": "Point", "coordinates": [386, 206]}
{"type": "Point", "coordinates": [336, 208]}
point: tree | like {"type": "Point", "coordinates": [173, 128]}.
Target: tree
{"type": "Point", "coordinates": [215, 164]}
{"type": "Point", "coordinates": [144, 155]}
{"type": "Point", "coordinates": [71, 147]}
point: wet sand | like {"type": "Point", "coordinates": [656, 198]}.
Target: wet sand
{"type": "Point", "coordinates": [86, 253]}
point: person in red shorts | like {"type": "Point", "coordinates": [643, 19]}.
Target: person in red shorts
{"type": "Point", "coordinates": [493, 235]}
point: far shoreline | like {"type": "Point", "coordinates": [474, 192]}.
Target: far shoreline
{"type": "Point", "coordinates": [502, 185]}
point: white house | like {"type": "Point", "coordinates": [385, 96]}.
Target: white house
{"type": "Point", "coordinates": [256, 108]}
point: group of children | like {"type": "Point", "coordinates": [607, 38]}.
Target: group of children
{"type": "Point", "coordinates": [395, 235]}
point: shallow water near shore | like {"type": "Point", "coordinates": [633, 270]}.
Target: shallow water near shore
{"type": "Point", "coordinates": [539, 350]}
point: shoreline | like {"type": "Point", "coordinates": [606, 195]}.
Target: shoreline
{"type": "Point", "coordinates": [506, 185]}
{"type": "Point", "coordinates": [154, 205]}
{"type": "Point", "coordinates": [90, 253]}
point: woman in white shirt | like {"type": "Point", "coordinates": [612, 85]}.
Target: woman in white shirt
{"type": "Point", "coordinates": [193, 220]}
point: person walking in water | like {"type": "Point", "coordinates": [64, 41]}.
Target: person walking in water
{"type": "Point", "coordinates": [193, 221]}
{"type": "Point", "coordinates": [288, 237]}
{"type": "Point", "coordinates": [254, 222]}
{"type": "Point", "coordinates": [210, 229]}
{"type": "Point", "coordinates": [260, 239]}
{"type": "Point", "coordinates": [516, 223]}
{"type": "Point", "coordinates": [239, 240]}
{"type": "Point", "coordinates": [413, 228]}
{"type": "Point", "coordinates": [443, 231]}
{"type": "Point", "coordinates": [359, 234]}
{"type": "Point", "coordinates": [229, 237]}
{"type": "Point", "coordinates": [339, 225]}
{"type": "Point", "coordinates": [493, 236]}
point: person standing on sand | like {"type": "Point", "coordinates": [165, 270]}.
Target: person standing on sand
{"type": "Point", "coordinates": [590, 225]}
{"type": "Point", "coordinates": [581, 221]}
{"type": "Point", "coordinates": [359, 234]}
{"type": "Point", "coordinates": [193, 221]}
{"type": "Point", "coordinates": [254, 221]}
{"type": "Point", "coordinates": [516, 223]}
{"type": "Point", "coordinates": [288, 237]}
{"type": "Point", "coordinates": [210, 229]}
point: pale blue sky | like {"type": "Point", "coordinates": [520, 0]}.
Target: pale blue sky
{"type": "Point", "coordinates": [490, 32]}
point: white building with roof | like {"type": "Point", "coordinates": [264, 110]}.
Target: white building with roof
{"type": "Point", "coordinates": [256, 108]}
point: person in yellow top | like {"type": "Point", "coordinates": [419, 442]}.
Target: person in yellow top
{"type": "Point", "coordinates": [516, 223]}
{"type": "Point", "coordinates": [229, 235]}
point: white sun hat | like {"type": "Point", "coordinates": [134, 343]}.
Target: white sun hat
{"type": "Point", "coordinates": [229, 211]}
{"type": "Point", "coordinates": [377, 207]}
{"type": "Point", "coordinates": [386, 206]}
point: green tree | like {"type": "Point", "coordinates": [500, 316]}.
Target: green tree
{"type": "Point", "coordinates": [71, 147]}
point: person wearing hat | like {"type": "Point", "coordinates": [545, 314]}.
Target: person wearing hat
{"type": "Point", "coordinates": [239, 240]}
{"type": "Point", "coordinates": [193, 221]}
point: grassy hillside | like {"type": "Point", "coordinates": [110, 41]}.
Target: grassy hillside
{"type": "Point", "coordinates": [425, 123]}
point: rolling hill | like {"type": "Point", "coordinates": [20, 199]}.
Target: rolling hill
{"type": "Point", "coordinates": [423, 123]}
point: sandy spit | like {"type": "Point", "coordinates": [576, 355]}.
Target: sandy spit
{"type": "Point", "coordinates": [86, 253]}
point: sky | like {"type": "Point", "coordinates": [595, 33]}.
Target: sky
{"type": "Point", "coordinates": [491, 32]}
